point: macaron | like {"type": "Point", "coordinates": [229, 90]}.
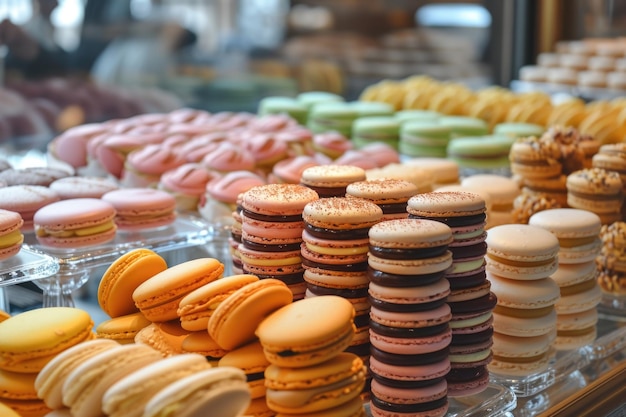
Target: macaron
{"type": "Point", "coordinates": [307, 332]}
{"type": "Point", "coordinates": [444, 171]}
{"type": "Point", "coordinates": [50, 379]}
{"type": "Point", "coordinates": [430, 400]}
{"type": "Point", "coordinates": [86, 384]}
{"type": "Point", "coordinates": [158, 297]}
{"type": "Point", "coordinates": [315, 388]}
{"type": "Point", "coordinates": [576, 330]}
{"type": "Point", "coordinates": [502, 191]}
{"type": "Point", "coordinates": [462, 126]}
{"type": "Point", "coordinates": [424, 138]}
{"type": "Point", "coordinates": [611, 157]}
{"type": "Point", "coordinates": [236, 318]}
{"type": "Point", "coordinates": [331, 180]}
{"type": "Point", "coordinates": [187, 184]}
{"type": "Point", "coordinates": [123, 276]}
{"type": "Point", "coordinates": [141, 208]}
{"type": "Point", "coordinates": [521, 252]}
{"type": "Point", "coordinates": [578, 232]}
{"type": "Point", "coordinates": [578, 285]}
{"type": "Point", "coordinates": [8, 411]}
{"type": "Point", "coordinates": [75, 223]}
{"type": "Point", "coordinates": [284, 105]}
{"type": "Point", "coordinates": [480, 153]}
{"type": "Point", "coordinates": [311, 98]}
{"type": "Point", "coordinates": [383, 129]}
{"type": "Point", "coordinates": [18, 392]}
{"type": "Point", "coordinates": [197, 307]}
{"type": "Point", "coordinates": [203, 344]}
{"type": "Point", "coordinates": [402, 249]}
{"type": "Point", "coordinates": [331, 144]}
{"type": "Point", "coordinates": [525, 308]}
{"type": "Point", "coordinates": [514, 358]}
{"type": "Point", "coordinates": [250, 359]}
{"type": "Point", "coordinates": [11, 237]}
{"type": "Point", "coordinates": [391, 195]}
{"type": "Point", "coordinates": [26, 200]}
{"type": "Point", "coordinates": [532, 158]}
{"type": "Point", "coordinates": [518, 129]}
{"type": "Point", "coordinates": [596, 190]}
{"type": "Point", "coordinates": [129, 395]}
{"type": "Point", "coordinates": [29, 340]}
{"type": "Point", "coordinates": [82, 187]}
{"type": "Point", "coordinates": [40, 176]}
{"type": "Point", "coordinates": [122, 329]}
{"type": "Point", "coordinates": [338, 116]}
{"type": "Point", "coordinates": [220, 391]}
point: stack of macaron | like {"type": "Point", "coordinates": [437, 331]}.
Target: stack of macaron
{"type": "Point", "coordinates": [331, 180]}
{"type": "Point", "coordinates": [11, 236]}
{"type": "Point", "coordinates": [310, 373]}
{"type": "Point", "coordinates": [470, 298]}
{"type": "Point", "coordinates": [334, 255]}
{"type": "Point", "coordinates": [578, 232]}
{"type": "Point", "coordinates": [596, 190]}
{"type": "Point", "coordinates": [612, 157]}
{"type": "Point", "coordinates": [520, 260]}
{"type": "Point", "coordinates": [390, 194]}
{"type": "Point", "coordinates": [272, 228]}
{"type": "Point", "coordinates": [28, 342]}
{"type": "Point", "coordinates": [409, 317]}
{"type": "Point", "coordinates": [612, 260]}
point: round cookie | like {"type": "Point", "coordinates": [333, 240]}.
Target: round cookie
{"type": "Point", "coordinates": [11, 237]}
{"type": "Point", "coordinates": [391, 195]}
{"type": "Point", "coordinates": [511, 357]}
{"type": "Point", "coordinates": [311, 330]}
{"type": "Point", "coordinates": [122, 329]}
{"type": "Point", "coordinates": [82, 187]}
{"type": "Point", "coordinates": [596, 190]}
{"type": "Point", "coordinates": [522, 252]}
{"type": "Point", "coordinates": [429, 401]}
{"type": "Point", "coordinates": [141, 208]}
{"type": "Point", "coordinates": [331, 180]}
{"type": "Point", "coordinates": [26, 200]}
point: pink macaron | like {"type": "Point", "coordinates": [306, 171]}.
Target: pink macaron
{"type": "Point", "coordinates": [141, 208]}
{"type": "Point", "coordinates": [26, 200]}
{"type": "Point", "coordinates": [75, 223]}
{"type": "Point", "coordinates": [11, 238]}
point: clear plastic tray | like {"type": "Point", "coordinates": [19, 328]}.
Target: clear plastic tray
{"type": "Point", "coordinates": [494, 401]}
{"type": "Point", "coordinates": [611, 339]}
{"type": "Point", "coordinates": [27, 265]}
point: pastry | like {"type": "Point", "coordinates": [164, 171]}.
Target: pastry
{"type": "Point", "coordinates": [139, 209]}
{"type": "Point", "coordinates": [26, 200]}
{"type": "Point", "coordinates": [480, 153]}
{"type": "Point", "coordinates": [331, 180]}
{"type": "Point", "coordinates": [367, 130]}
{"type": "Point", "coordinates": [391, 195]}
{"type": "Point", "coordinates": [11, 237]}
{"type": "Point", "coordinates": [596, 190]}
{"type": "Point", "coordinates": [82, 187]}
{"type": "Point", "coordinates": [424, 138]}
{"type": "Point", "coordinates": [122, 329]}
{"type": "Point", "coordinates": [502, 192]}
{"type": "Point", "coordinates": [187, 184]}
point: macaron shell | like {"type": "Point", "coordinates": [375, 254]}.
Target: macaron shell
{"type": "Point", "coordinates": [165, 337]}
{"type": "Point", "coordinates": [568, 223]}
{"type": "Point", "coordinates": [576, 330]}
{"type": "Point", "coordinates": [402, 233]}
{"type": "Point", "coordinates": [508, 350]}
{"type": "Point", "coordinates": [128, 396]}
{"type": "Point", "coordinates": [31, 339]}
{"type": "Point", "coordinates": [411, 267]}
{"type": "Point", "coordinates": [342, 213]}
{"type": "Point", "coordinates": [409, 396]}
{"type": "Point", "coordinates": [11, 237]}
{"type": "Point", "coordinates": [410, 295]}
{"type": "Point", "coordinates": [141, 208]}
{"type": "Point", "coordinates": [26, 200]}
{"type": "Point", "coordinates": [445, 204]}
{"type": "Point", "coordinates": [25, 408]}
{"type": "Point", "coordinates": [524, 295]}
{"type": "Point", "coordinates": [352, 408]}
{"type": "Point", "coordinates": [251, 359]}
{"type": "Point", "coordinates": [123, 276]}
{"type": "Point", "coordinates": [158, 297]}
{"type": "Point", "coordinates": [216, 391]}
{"type": "Point", "coordinates": [17, 386]}
{"type": "Point", "coordinates": [332, 175]}
{"type": "Point", "coordinates": [7, 411]}
{"type": "Point", "coordinates": [245, 309]}
{"type": "Point", "coordinates": [122, 329]}
{"type": "Point", "coordinates": [278, 199]}
{"type": "Point", "coordinates": [50, 379]}
{"type": "Point", "coordinates": [524, 327]}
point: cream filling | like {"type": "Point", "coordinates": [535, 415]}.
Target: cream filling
{"type": "Point", "coordinates": [359, 250]}
{"type": "Point", "coordinates": [43, 231]}
{"type": "Point", "coordinates": [11, 239]}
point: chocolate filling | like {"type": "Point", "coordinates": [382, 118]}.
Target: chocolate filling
{"type": "Point", "coordinates": [264, 247]}
{"type": "Point", "coordinates": [326, 192]}
{"type": "Point", "coordinates": [457, 375]}
{"type": "Point", "coordinates": [275, 218]}
{"type": "Point", "coordinates": [257, 376]}
{"type": "Point", "coordinates": [405, 308]}
{"type": "Point", "coordinates": [362, 320]}
{"type": "Point", "coordinates": [343, 292]}
{"type": "Point", "coordinates": [407, 254]}
{"type": "Point", "coordinates": [289, 279]}
{"type": "Point", "coordinates": [393, 208]}
{"type": "Point", "coordinates": [409, 408]}
{"type": "Point", "coordinates": [337, 234]}
{"type": "Point", "coordinates": [458, 221]}
{"type": "Point", "coordinates": [486, 302]}
{"type": "Point", "coordinates": [409, 360]}
{"type": "Point", "coordinates": [398, 281]}
{"type": "Point", "coordinates": [471, 338]}
{"type": "Point", "coordinates": [408, 332]}
{"type": "Point", "coordinates": [470, 251]}
{"type": "Point", "coordinates": [358, 267]}
{"type": "Point", "coordinates": [460, 281]}
{"type": "Point", "coordinates": [360, 350]}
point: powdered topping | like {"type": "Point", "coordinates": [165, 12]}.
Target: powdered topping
{"type": "Point", "coordinates": [340, 210]}
{"type": "Point", "coordinates": [410, 233]}
{"type": "Point", "coordinates": [321, 174]}
{"type": "Point", "coordinates": [281, 199]}
{"type": "Point", "coordinates": [452, 203]}
{"type": "Point", "coordinates": [382, 189]}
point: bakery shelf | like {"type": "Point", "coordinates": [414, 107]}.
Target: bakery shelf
{"type": "Point", "coordinates": [494, 401]}
{"type": "Point", "coordinates": [611, 339]}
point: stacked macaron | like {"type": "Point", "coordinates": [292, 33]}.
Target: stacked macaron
{"type": "Point", "coordinates": [596, 190]}
{"type": "Point", "coordinates": [502, 192]}
{"type": "Point", "coordinates": [520, 260]}
{"type": "Point", "coordinates": [612, 157]}
{"type": "Point", "coordinates": [309, 371]}
{"type": "Point", "coordinates": [578, 232]}
{"type": "Point", "coordinates": [424, 138]}
{"type": "Point", "coordinates": [272, 228]}
{"type": "Point", "coordinates": [470, 298]}
{"type": "Point", "coordinates": [409, 318]}
{"type": "Point", "coordinates": [390, 194]}
{"type": "Point", "coordinates": [334, 255]}
{"type": "Point", "coordinates": [612, 261]}
{"type": "Point", "coordinates": [331, 180]}
{"type": "Point", "coordinates": [28, 342]}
